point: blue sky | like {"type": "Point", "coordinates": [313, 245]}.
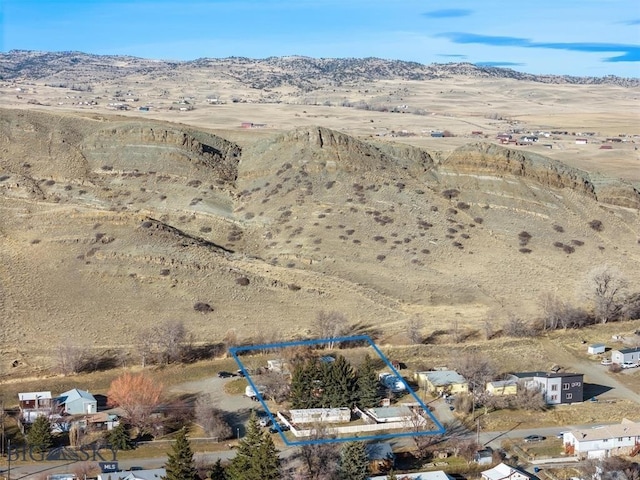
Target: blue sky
{"type": "Point", "coordinates": [587, 37]}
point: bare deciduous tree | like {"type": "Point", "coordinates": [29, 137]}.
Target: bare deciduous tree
{"type": "Point", "coordinates": [319, 461]}
{"type": "Point", "coordinates": [164, 343]}
{"type": "Point", "coordinates": [414, 330]}
{"type": "Point", "coordinates": [476, 368]}
{"type": "Point", "coordinates": [212, 419]}
{"type": "Point", "coordinates": [330, 325]}
{"type": "Point", "coordinates": [69, 358]}
{"type": "Point", "coordinates": [138, 396]}
{"type": "Point", "coordinates": [606, 288]}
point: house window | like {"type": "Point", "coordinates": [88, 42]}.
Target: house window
{"type": "Point", "coordinates": [565, 386]}
{"type": "Point", "coordinates": [554, 397]}
{"type": "Point", "coordinates": [554, 388]}
{"type": "Point", "coordinates": [569, 396]}
{"type": "Point", "coordinates": [605, 440]}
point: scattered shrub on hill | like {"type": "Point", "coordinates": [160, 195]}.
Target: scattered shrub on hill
{"type": "Point", "coordinates": [244, 281]}
{"type": "Point", "coordinates": [596, 225]}
{"type": "Point", "coordinates": [426, 251]}
{"type": "Point", "coordinates": [558, 244]}
{"type": "Point", "coordinates": [524, 238]}
{"type": "Point", "coordinates": [568, 249]}
{"type": "Point", "coordinates": [205, 229]}
{"type": "Point", "coordinates": [293, 287]}
{"type": "Point", "coordinates": [450, 193]}
{"type": "Point", "coordinates": [146, 224]}
{"type": "Point", "coordinates": [452, 211]}
{"type": "Point", "coordinates": [463, 206]}
{"type": "Point", "coordinates": [107, 168]}
{"type": "Point", "coordinates": [164, 272]}
{"type": "Point", "coordinates": [517, 327]}
{"type": "Point", "coordinates": [329, 184]}
{"type": "Point", "coordinates": [35, 241]}
{"type": "Point", "coordinates": [577, 243]}
{"type": "Point", "coordinates": [558, 228]}
{"type": "Point", "coordinates": [458, 245]}
{"type": "Point", "coordinates": [434, 208]}
{"type": "Point", "coordinates": [525, 250]}
{"type": "Point", "coordinates": [478, 220]}
{"type": "Point", "coordinates": [380, 258]}
{"type": "Point", "coordinates": [194, 183]}
{"type": "Point", "coordinates": [202, 307]}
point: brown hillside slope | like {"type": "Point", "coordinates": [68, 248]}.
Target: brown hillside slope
{"type": "Point", "coordinates": [107, 226]}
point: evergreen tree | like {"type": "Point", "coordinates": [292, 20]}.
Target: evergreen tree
{"type": "Point", "coordinates": [217, 472]}
{"type": "Point", "coordinates": [343, 383]}
{"type": "Point", "coordinates": [300, 395]}
{"type": "Point", "coordinates": [392, 475]}
{"type": "Point", "coordinates": [367, 384]}
{"type": "Point", "coordinates": [257, 458]}
{"type": "Point", "coordinates": [180, 464]}
{"type": "Point", "coordinates": [39, 435]}
{"type": "Point", "coordinates": [354, 462]}
{"type": "Point", "coordinates": [119, 437]}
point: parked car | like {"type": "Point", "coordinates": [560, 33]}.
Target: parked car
{"type": "Point", "coordinates": [606, 361]}
{"type": "Point", "coordinates": [628, 365]}
{"type": "Point", "coordinates": [240, 373]}
{"type": "Point", "coordinates": [274, 427]}
{"type": "Point", "coordinates": [224, 374]}
{"type": "Point", "coordinates": [534, 438]}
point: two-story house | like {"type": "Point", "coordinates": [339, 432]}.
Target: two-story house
{"type": "Point", "coordinates": [606, 441]}
{"type": "Point", "coordinates": [558, 387]}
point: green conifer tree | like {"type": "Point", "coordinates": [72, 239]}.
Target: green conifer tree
{"type": "Point", "coordinates": [392, 475]}
{"type": "Point", "coordinates": [119, 437]}
{"type": "Point", "coordinates": [180, 464]}
{"type": "Point", "coordinates": [367, 385]}
{"type": "Point", "coordinates": [257, 458]}
{"type": "Point", "coordinates": [354, 462]}
{"type": "Point", "coordinates": [39, 435]}
{"type": "Point", "coordinates": [343, 383]}
{"type": "Point", "coordinates": [217, 471]}
{"type": "Point", "coordinates": [300, 395]}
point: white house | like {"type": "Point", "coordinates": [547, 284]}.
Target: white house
{"type": "Point", "coordinates": [626, 355]}
{"type": "Point", "coordinates": [437, 475]}
{"type": "Point", "coordinates": [503, 471]}
{"type": "Point", "coordinates": [156, 474]}
{"type": "Point", "coordinates": [34, 405]}
{"type": "Point", "coordinates": [606, 441]}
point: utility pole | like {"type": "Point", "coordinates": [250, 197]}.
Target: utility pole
{"type": "Point", "coordinates": [478, 431]}
{"type": "Point", "coordinates": [9, 459]}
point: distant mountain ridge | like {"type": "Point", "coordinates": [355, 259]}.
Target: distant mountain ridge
{"type": "Point", "coordinates": [302, 72]}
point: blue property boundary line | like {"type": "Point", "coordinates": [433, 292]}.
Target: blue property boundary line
{"type": "Point", "coordinates": [358, 338]}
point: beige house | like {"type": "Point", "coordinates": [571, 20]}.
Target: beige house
{"type": "Point", "coordinates": [439, 382]}
{"type": "Point", "coordinates": [502, 387]}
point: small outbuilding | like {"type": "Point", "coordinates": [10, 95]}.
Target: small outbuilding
{"type": "Point", "coordinates": [596, 349]}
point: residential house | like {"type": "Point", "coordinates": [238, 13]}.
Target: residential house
{"type": "Point", "coordinates": [626, 355]}
{"type": "Point", "coordinates": [34, 405]}
{"type": "Point", "coordinates": [76, 402]}
{"type": "Point", "coordinates": [381, 457]}
{"type": "Point", "coordinates": [596, 348]}
{"type": "Point", "coordinates": [436, 475]}
{"type": "Point", "coordinates": [503, 471]}
{"type": "Point", "coordinates": [605, 441]}
{"type": "Point", "coordinates": [502, 387]}
{"type": "Point", "coordinates": [442, 381]}
{"type": "Point", "coordinates": [103, 421]}
{"type": "Point", "coordinates": [156, 474]}
{"type": "Point", "coordinates": [437, 134]}
{"type": "Point", "coordinates": [581, 141]}
{"type": "Point", "coordinates": [558, 387]}
{"type": "Point", "coordinates": [398, 413]}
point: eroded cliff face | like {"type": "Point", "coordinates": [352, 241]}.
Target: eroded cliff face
{"type": "Point", "coordinates": [131, 144]}
{"type": "Point", "coordinates": [485, 158]}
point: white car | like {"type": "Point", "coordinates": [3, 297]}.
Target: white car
{"type": "Point", "coordinates": [606, 361]}
{"type": "Point", "coordinates": [628, 365]}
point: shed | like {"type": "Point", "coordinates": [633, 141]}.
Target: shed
{"type": "Point", "coordinates": [381, 457]}
{"type": "Point", "coordinates": [596, 348]}
{"type": "Point", "coordinates": [320, 415]}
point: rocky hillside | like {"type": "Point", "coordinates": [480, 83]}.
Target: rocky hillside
{"type": "Point", "coordinates": [108, 225]}
{"type": "Point", "coordinates": [81, 70]}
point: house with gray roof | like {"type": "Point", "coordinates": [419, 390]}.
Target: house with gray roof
{"type": "Point", "coordinates": [630, 355]}
{"type": "Point", "coordinates": [605, 441]}
{"type": "Point", "coordinates": [442, 381]}
{"type": "Point", "coordinates": [77, 402]}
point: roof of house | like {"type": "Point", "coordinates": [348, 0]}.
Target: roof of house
{"type": "Point", "coordinates": [379, 451]}
{"type": "Point", "coordinates": [441, 378]}
{"type": "Point", "coordinates": [597, 345]}
{"type": "Point", "coordinates": [75, 394]}
{"type": "Point", "coordinates": [390, 412]}
{"type": "Point", "coordinates": [625, 429]}
{"type": "Point", "coordinates": [23, 397]}
{"type": "Point", "coordinates": [546, 374]}
{"type": "Point", "coordinates": [629, 350]}
{"type": "Point", "coordinates": [502, 471]}
{"type": "Point", "coordinates": [438, 475]}
{"type": "Point", "coordinates": [155, 474]}
{"type": "Point", "coordinates": [502, 383]}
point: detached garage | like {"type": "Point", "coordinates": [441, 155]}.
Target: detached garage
{"type": "Point", "coordinates": [596, 348]}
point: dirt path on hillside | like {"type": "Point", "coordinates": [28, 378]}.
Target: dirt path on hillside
{"type": "Point", "coordinates": [598, 381]}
